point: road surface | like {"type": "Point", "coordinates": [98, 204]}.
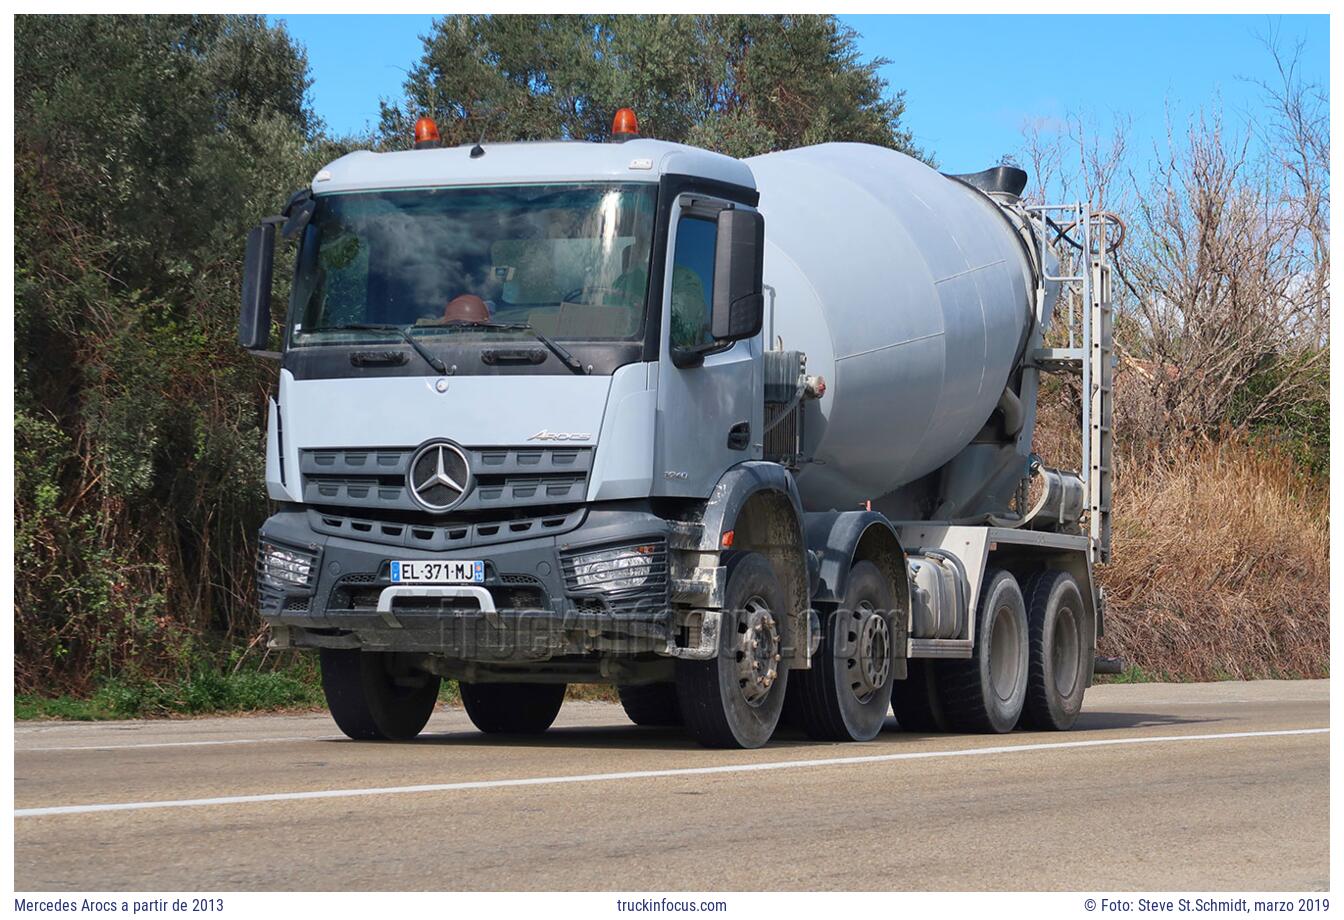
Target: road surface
{"type": "Point", "coordinates": [1161, 786]}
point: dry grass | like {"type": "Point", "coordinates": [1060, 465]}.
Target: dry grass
{"type": "Point", "coordinates": [1220, 555]}
{"type": "Point", "coordinates": [1220, 566]}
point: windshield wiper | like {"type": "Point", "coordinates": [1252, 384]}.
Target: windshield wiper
{"type": "Point", "coordinates": [403, 331]}
{"type": "Point", "coordinates": [560, 351]}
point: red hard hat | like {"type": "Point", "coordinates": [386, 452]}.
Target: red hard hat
{"type": "Point", "coordinates": [466, 308]}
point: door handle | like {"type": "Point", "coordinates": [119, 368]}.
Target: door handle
{"type": "Point", "coordinates": [739, 436]}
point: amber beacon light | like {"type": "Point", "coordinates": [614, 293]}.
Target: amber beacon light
{"type": "Point", "coordinates": [426, 133]}
{"type": "Point", "coordinates": [624, 126]}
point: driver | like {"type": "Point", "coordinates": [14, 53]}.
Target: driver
{"type": "Point", "coordinates": [690, 303]}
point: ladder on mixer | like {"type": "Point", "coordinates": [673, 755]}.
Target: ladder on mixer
{"type": "Point", "coordinates": [1090, 352]}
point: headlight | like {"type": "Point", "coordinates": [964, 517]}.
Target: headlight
{"type": "Point", "coordinates": [285, 565]}
{"type": "Point", "coordinates": [613, 569]}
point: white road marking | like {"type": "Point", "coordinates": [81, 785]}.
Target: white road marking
{"type": "Point", "coordinates": [165, 744]}
{"type": "Point", "coordinates": [643, 774]}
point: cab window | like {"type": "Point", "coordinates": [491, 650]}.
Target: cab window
{"type": "Point", "coordinates": [693, 282]}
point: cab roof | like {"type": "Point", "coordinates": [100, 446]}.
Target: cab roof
{"type": "Point", "coordinates": [639, 160]}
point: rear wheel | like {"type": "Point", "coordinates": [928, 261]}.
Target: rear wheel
{"type": "Point", "coordinates": [371, 700]}
{"type": "Point", "coordinates": [653, 705]}
{"type": "Point", "coordinates": [847, 692]}
{"type": "Point", "coordinates": [734, 699]}
{"type": "Point", "coordinates": [1060, 652]}
{"type": "Point", "coordinates": [986, 692]}
{"type": "Point", "coordinates": [512, 709]}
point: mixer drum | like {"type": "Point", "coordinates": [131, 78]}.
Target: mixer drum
{"type": "Point", "coordinates": [909, 291]}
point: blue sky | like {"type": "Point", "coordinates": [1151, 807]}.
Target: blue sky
{"type": "Point", "coordinates": [970, 80]}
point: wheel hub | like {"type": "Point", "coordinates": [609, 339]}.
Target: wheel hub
{"type": "Point", "coordinates": [1004, 648]}
{"type": "Point", "coordinates": [1065, 653]}
{"type": "Point", "coordinates": [870, 667]}
{"type": "Point", "coordinates": [758, 652]}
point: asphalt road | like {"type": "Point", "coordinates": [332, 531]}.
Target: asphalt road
{"type": "Point", "coordinates": [1161, 786]}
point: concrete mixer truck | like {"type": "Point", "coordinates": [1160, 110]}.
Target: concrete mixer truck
{"type": "Point", "coordinates": [750, 440]}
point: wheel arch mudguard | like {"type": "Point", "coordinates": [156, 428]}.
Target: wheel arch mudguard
{"type": "Point", "coordinates": [758, 502]}
{"type": "Point", "coordinates": [839, 539]}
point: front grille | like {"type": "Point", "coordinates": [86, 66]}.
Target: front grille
{"type": "Point", "coordinates": [590, 606]}
{"type": "Point", "coordinates": [425, 532]}
{"type": "Point", "coordinates": [650, 596]}
{"type": "Point", "coordinates": [505, 477]}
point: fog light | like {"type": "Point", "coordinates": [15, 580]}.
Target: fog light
{"type": "Point", "coordinates": [613, 569]}
{"type": "Point", "coordinates": [285, 565]}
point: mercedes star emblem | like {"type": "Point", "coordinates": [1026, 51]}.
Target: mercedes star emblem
{"type": "Point", "coordinates": [439, 475]}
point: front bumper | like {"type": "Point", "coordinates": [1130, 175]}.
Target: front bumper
{"type": "Point", "coordinates": [529, 607]}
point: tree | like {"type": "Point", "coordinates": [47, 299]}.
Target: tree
{"type": "Point", "coordinates": [1222, 294]}
{"type": "Point", "coordinates": [741, 85]}
{"type": "Point", "coordinates": [144, 148]}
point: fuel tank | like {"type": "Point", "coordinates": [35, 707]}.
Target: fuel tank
{"type": "Point", "coordinates": [909, 291]}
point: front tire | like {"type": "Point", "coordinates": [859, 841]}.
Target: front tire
{"type": "Point", "coordinates": [370, 701]}
{"type": "Point", "coordinates": [915, 701]}
{"type": "Point", "coordinates": [847, 692]}
{"type": "Point", "coordinates": [512, 709]}
{"type": "Point", "coordinates": [651, 705]}
{"type": "Point", "coordinates": [1061, 658]}
{"type": "Point", "coordinates": [986, 692]}
{"type": "Point", "coordinates": [734, 699]}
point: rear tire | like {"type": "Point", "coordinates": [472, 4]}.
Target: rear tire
{"type": "Point", "coordinates": [651, 705]}
{"type": "Point", "coordinates": [915, 701]}
{"type": "Point", "coordinates": [847, 692]}
{"type": "Point", "coordinates": [986, 692]}
{"type": "Point", "coordinates": [512, 709]}
{"type": "Point", "coordinates": [734, 699]}
{"type": "Point", "coordinates": [1060, 660]}
{"type": "Point", "coordinates": [369, 701]}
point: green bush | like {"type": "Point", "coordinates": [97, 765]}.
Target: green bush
{"type": "Point", "coordinates": [207, 691]}
{"type": "Point", "coordinates": [145, 147]}
{"type": "Point", "coordinates": [1300, 425]}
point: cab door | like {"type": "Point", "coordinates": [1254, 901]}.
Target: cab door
{"type": "Point", "coordinates": [709, 395]}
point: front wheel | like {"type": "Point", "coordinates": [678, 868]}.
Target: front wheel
{"type": "Point", "coordinates": [915, 701]}
{"type": "Point", "coordinates": [734, 699]}
{"type": "Point", "coordinates": [371, 700]}
{"type": "Point", "coordinates": [846, 693]}
{"type": "Point", "coordinates": [512, 709]}
{"type": "Point", "coordinates": [651, 705]}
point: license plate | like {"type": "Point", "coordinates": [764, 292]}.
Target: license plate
{"type": "Point", "coordinates": [419, 572]}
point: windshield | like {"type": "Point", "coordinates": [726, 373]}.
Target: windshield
{"type": "Point", "coordinates": [570, 261]}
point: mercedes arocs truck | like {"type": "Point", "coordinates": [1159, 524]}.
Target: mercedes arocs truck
{"type": "Point", "coordinates": [750, 439]}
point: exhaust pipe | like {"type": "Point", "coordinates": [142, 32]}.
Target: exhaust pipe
{"type": "Point", "coordinates": [1104, 665]}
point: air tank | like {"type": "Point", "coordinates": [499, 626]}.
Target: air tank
{"type": "Point", "coordinates": [909, 291]}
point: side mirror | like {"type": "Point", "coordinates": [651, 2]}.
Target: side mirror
{"type": "Point", "coordinates": [254, 322]}
{"type": "Point", "coordinates": [738, 308]}
{"type": "Point", "coordinates": [298, 212]}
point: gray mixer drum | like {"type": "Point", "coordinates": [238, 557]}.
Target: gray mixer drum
{"type": "Point", "coordinates": [909, 291]}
